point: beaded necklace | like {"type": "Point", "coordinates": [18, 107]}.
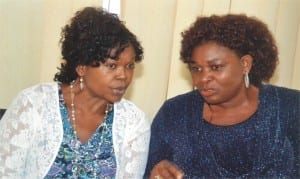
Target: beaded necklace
{"type": "Point", "coordinates": [73, 123]}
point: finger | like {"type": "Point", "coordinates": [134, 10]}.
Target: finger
{"type": "Point", "coordinates": [174, 170]}
{"type": "Point", "coordinates": [156, 171]}
{"type": "Point", "coordinates": [167, 174]}
{"type": "Point", "coordinates": [167, 169]}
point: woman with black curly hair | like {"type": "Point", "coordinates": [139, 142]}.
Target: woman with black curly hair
{"type": "Point", "coordinates": [234, 124]}
{"type": "Point", "coordinates": [80, 126]}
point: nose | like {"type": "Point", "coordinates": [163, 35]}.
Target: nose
{"type": "Point", "coordinates": [205, 76]}
{"type": "Point", "coordinates": [121, 73]}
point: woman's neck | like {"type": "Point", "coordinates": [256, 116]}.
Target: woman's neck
{"type": "Point", "coordinates": [232, 112]}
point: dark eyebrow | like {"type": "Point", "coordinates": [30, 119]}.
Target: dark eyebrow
{"type": "Point", "coordinates": [191, 62]}
{"type": "Point", "coordinates": [212, 61]}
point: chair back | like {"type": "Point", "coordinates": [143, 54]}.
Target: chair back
{"type": "Point", "coordinates": [2, 111]}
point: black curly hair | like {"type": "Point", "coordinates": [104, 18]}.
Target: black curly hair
{"type": "Point", "coordinates": [240, 33]}
{"type": "Point", "coordinates": [93, 36]}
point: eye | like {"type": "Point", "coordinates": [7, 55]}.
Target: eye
{"type": "Point", "coordinates": [111, 66]}
{"type": "Point", "coordinates": [131, 66]}
{"type": "Point", "coordinates": [216, 67]}
{"type": "Point", "coordinates": [195, 69]}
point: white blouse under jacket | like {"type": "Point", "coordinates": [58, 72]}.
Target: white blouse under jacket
{"type": "Point", "coordinates": [31, 133]}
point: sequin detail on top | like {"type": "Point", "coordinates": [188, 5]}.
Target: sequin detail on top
{"type": "Point", "coordinates": [264, 146]}
{"type": "Point", "coordinates": [225, 144]}
{"type": "Point", "coordinates": [106, 163]}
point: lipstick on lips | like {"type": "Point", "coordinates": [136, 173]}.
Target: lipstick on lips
{"type": "Point", "coordinates": [206, 92]}
{"type": "Point", "coordinates": [119, 91]}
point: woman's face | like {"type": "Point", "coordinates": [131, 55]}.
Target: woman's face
{"type": "Point", "coordinates": [217, 72]}
{"type": "Point", "coordinates": [110, 80]}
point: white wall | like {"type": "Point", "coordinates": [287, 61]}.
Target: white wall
{"type": "Point", "coordinates": [30, 31]}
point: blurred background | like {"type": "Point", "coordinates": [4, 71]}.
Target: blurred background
{"type": "Point", "coordinates": [30, 33]}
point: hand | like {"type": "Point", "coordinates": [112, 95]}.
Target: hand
{"type": "Point", "coordinates": [166, 170]}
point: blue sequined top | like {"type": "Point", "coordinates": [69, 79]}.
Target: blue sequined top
{"type": "Point", "coordinates": [267, 145]}
{"type": "Point", "coordinates": [94, 161]}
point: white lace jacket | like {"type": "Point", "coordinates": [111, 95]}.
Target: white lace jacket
{"type": "Point", "coordinates": [31, 133]}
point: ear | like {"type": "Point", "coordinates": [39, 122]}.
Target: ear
{"type": "Point", "coordinates": [246, 61]}
{"type": "Point", "coordinates": [81, 69]}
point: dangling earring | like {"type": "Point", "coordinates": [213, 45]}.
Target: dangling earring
{"type": "Point", "coordinates": [81, 83]}
{"type": "Point", "coordinates": [246, 78]}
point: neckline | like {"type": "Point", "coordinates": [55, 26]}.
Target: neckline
{"type": "Point", "coordinates": [261, 89]}
{"type": "Point", "coordinates": [260, 122]}
{"type": "Point", "coordinates": [66, 120]}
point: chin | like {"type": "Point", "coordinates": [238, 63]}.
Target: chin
{"type": "Point", "coordinates": [115, 99]}
{"type": "Point", "coordinates": [212, 101]}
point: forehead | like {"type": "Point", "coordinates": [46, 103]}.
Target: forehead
{"type": "Point", "coordinates": [128, 54]}
{"type": "Point", "coordinates": [211, 52]}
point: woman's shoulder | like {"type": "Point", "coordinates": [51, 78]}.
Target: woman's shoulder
{"type": "Point", "coordinates": [42, 87]}
{"type": "Point", "coordinates": [128, 106]}
{"type": "Point", "coordinates": [40, 93]}
{"type": "Point", "coordinates": [126, 112]}
{"type": "Point", "coordinates": [127, 109]}
{"type": "Point", "coordinates": [181, 104]}
{"type": "Point", "coordinates": [281, 91]}
{"type": "Point", "coordinates": [287, 97]}
{"type": "Point", "coordinates": [184, 98]}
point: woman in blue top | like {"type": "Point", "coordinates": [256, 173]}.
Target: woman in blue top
{"type": "Point", "coordinates": [233, 125]}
